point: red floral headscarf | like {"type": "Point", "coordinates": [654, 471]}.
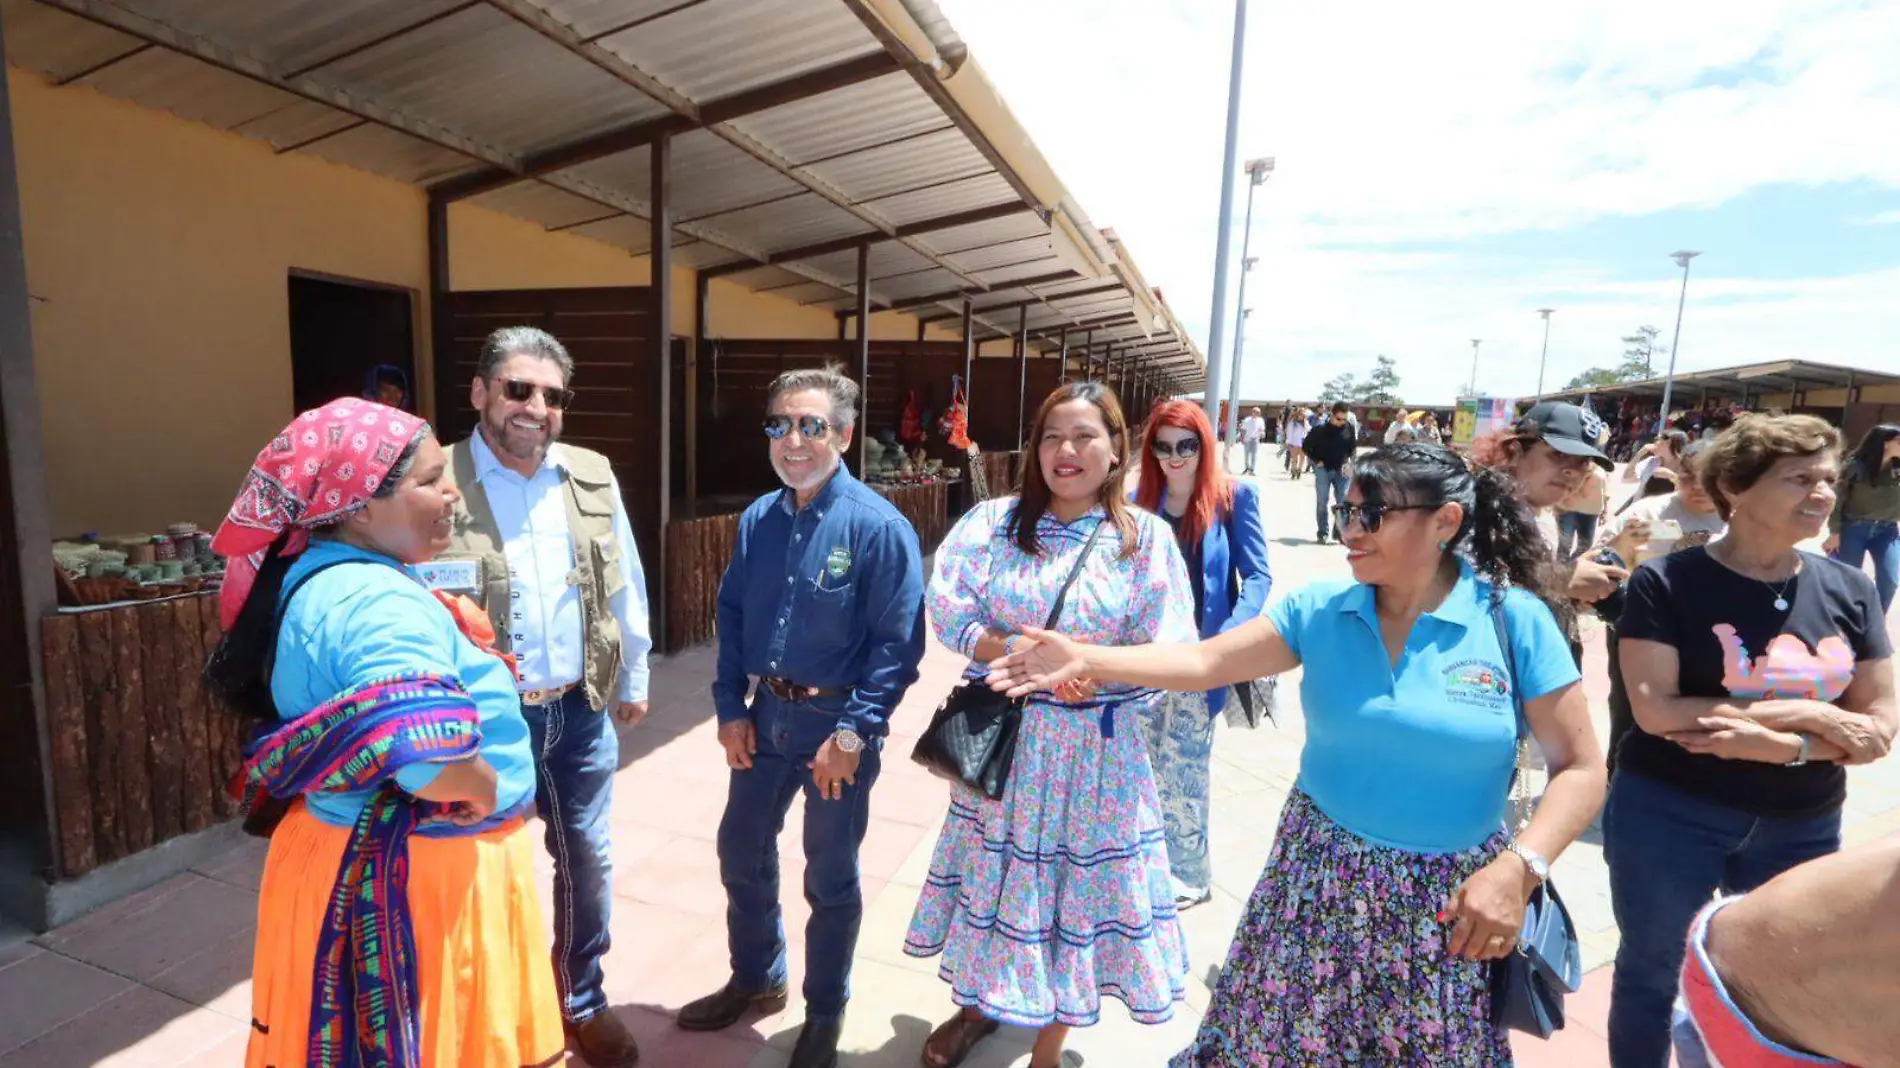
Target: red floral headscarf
{"type": "Point", "coordinates": [325, 465]}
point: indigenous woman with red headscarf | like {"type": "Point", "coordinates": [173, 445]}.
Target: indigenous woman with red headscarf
{"type": "Point", "coordinates": [1216, 521]}
{"type": "Point", "coordinates": [397, 919]}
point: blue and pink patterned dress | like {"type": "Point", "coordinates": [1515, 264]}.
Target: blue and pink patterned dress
{"type": "Point", "coordinates": [1058, 894]}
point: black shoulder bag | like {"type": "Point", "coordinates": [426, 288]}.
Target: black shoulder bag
{"type": "Point", "coordinates": [972, 737]}
{"type": "Point", "coordinates": [1528, 987]}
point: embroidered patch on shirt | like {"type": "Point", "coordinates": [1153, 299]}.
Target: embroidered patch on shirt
{"type": "Point", "coordinates": [450, 575]}
{"type": "Point", "coordinates": [1476, 682]}
{"type": "Point", "coordinates": [838, 563]}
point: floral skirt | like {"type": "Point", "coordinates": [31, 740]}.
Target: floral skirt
{"type": "Point", "coordinates": [1340, 959]}
{"type": "Point", "coordinates": [1043, 902]}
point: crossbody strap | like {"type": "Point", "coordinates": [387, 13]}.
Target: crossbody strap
{"type": "Point", "coordinates": [1510, 661]}
{"type": "Point", "coordinates": [1062, 596]}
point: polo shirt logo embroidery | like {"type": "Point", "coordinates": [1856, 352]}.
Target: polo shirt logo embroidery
{"type": "Point", "coordinates": [838, 563]}
{"type": "Point", "coordinates": [1477, 682]}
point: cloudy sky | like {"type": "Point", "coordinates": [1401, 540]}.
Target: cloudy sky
{"type": "Point", "coordinates": [1445, 170]}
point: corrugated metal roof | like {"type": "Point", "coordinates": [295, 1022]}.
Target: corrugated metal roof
{"type": "Point", "coordinates": [721, 47]}
{"type": "Point", "coordinates": [421, 90]}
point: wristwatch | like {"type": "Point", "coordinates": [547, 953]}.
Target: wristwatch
{"type": "Point", "coordinates": [847, 740]}
{"type": "Point", "coordinates": [1540, 868]}
{"type": "Point", "coordinates": [1801, 757]}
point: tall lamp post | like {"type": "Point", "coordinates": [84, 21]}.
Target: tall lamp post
{"type": "Point", "coordinates": [1217, 322]}
{"type": "Point", "coordinates": [1545, 358]}
{"type": "Point", "coordinates": [1669, 380]}
{"type": "Point", "coordinates": [1257, 172]}
{"type": "Point", "coordinates": [1473, 389]}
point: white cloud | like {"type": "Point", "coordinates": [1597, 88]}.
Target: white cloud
{"type": "Point", "coordinates": [1883, 218]}
{"type": "Point", "coordinates": [1399, 123]}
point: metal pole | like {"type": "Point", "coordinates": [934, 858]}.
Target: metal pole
{"type": "Point", "coordinates": [1022, 375]}
{"type": "Point", "coordinates": [660, 324]}
{"type": "Point", "coordinates": [1257, 172]}
{"type": "Point", "coordinates": [1545, 358]}
{"type": "Point", "coordinates": [1233, 393]}
{"type": "Point", "coordinates": [1669, 381]}
{"type": "Point", "coordinates": [863, 316]}
{"type": "Point", "coordinates": [1063, 341]}
{"type": "Point", "coordinates": [1475, 342]}
{"type": "Point", "coordinates": [1217, 321]}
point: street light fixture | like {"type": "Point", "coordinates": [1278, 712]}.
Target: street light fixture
{"type": "Point", "coordinates": [1669, 380]}
{"type": "Point", "coordinates": [1472, 390]}
{"type": "Point", "coordinates": [1545, 358]}
{"type": "Point", "coordinates": [1257, 172]}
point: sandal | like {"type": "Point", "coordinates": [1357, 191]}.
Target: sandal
{"type": "Point", "coordinates": [953, 1040]}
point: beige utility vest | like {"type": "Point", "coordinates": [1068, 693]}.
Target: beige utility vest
{"type": "Point", "coordinates": [590, 523]}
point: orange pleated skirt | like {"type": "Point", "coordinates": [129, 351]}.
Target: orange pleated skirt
{"type": "Point", "coordinates": [486, 986]}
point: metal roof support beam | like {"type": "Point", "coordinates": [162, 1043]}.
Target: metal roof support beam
{"type": "Point", "coordinates": [1022, 376]}
{"type": "Point", "coordinates": [660, 326]}
{"type": "Point", "coordinates": [587, 149]}
{"type": "Point", "coordinates": [245, 65]}
{"type": "Point", "coordinates": [942, 222]}
{"type": "Point", "coordinates": [969, 359]}
{"type": "Point", "coordinates": [958, 294]}
{"type": "Point", "coordinates": [1050, 298]}
{"type": "Point", "coordinates": [863, 317]}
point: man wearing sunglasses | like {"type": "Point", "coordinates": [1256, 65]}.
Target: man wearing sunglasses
{"type": "Point", "coordinates": [1330, 446]}
{"type": "Point", "coordinates": [541, 540]}
{"type": "Point", "coordinates": [823, 605]}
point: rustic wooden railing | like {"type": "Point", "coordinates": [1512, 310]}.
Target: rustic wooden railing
{"type": "Point", "coordinates": [141, 751]}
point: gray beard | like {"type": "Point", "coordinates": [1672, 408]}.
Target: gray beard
{"type": "Point", "coordinates": [502, 440]}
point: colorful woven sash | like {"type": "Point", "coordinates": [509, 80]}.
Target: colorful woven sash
{"type": "Point", "coordinates": [363, 1010]}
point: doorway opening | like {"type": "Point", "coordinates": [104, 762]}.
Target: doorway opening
{"type": "Point", "coordinates": [351, 339]}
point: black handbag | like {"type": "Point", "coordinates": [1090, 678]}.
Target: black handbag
{"type": "Point", "coordinates": [1528, 987]}
{"type": "Point", "coordinates": [972, 737]}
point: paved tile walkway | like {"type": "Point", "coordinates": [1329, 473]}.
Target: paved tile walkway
{"type": "Point", "coordinates": [161, 978]}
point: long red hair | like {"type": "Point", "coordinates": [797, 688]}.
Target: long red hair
{"type": "Point", "coordinates": [1213, 495]}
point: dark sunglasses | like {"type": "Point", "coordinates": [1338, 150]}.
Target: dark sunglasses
{"type": "Point", "coordinates": [521, 392]}
{"type": "Point", "coordinates": [1372, 516]}
{"type": "Point", "coordinates": [1184, 448]}
{"type": "Point", "coordinates": [815, 427]}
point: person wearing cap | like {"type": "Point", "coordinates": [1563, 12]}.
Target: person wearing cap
{"type": "Point", "coordinates": [1546, 452]}
{"type": "Point", "coordinates": [542, 542]}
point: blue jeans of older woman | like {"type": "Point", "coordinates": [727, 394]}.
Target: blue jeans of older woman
{"type": "Point", "coordinates": [1180, 734]}
{"type": "Point", "coordinates": [1669, 852]}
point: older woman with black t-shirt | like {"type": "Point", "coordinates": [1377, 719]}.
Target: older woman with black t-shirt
{"type": "Point", "coordinates": [1755, 672]}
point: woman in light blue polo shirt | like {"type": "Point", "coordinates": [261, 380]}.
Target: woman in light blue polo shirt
{"type": "Point", "coordinates": [1392, 882]}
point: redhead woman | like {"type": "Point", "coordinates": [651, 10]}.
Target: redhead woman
{"type": "Point", "coordinates": [1216, 523]}
{"type": "Point", "coordinates": [397, 922]}
{"type": "Point", "coordinates": [1055, 896]}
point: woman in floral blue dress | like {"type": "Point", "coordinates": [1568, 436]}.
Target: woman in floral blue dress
{"type": "Point", "coordinates": [1057, 894]}
{"type": "Point", "coordinates": [1393, 881]}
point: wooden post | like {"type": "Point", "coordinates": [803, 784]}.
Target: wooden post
{"type": "Point", "coordinates": [27, 592]}
{"type": "Point", "coordinates": [864, 360]}
{"type": "Point", "coordinates": [702, 290]}
{"type": "Point", "coordinates": [441, 358]}
{"type": "Point", "coordinates": [1062, 340]}
{"type": "Point", "coordinates": [1022, 375]}
{"type": "Point", "coordinates": [660, 320]}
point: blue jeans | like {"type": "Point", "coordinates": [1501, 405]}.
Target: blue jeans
{"type": "Point", "coordinates": [577, 752]}
{"type": "Point", "coordinates": [1882, 540]}
{"type": "Point", "coordinates": [1576, 532]}
{"type": "Point", "coordinates": [1669, 852]}
{"type": "Point", "coordinates": [1325, 480]}
{"type": "Point", "coordinates": [1252, 451]}
{"type": "Point", "coordinates": [789, 735]}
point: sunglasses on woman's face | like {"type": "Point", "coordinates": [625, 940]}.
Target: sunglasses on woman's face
{"type": "Point", "coordinates": [1372, 516]}
{"type": "Point", "coordinates": [815, 427]}
{"type": "Point", "coordinates": [1184, 448]}
{"type": "Point", "coordinates": [521, 392]}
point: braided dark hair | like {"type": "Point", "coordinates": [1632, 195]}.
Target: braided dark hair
{"type": "Point", "coordinates": [1499, 532]}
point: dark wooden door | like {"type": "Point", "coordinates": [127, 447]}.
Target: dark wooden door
{"type": "Point", "coordinates": [616, 384]}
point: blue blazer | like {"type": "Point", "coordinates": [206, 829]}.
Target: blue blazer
{"type": "Point", "coordinates": [1234, 573]}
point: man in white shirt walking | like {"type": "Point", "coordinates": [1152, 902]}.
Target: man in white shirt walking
{"type": "Point", "coordinates": [1252, 430]}
{"type": "Point", "coordinates": [541, 540]}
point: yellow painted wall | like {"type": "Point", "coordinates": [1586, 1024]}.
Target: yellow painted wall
{"type": "Point", "coordinates": [158, 252]}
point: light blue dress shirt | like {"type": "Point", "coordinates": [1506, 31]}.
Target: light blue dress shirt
{"type": "Point", "coordinates": [546, 634]}
{"type": "Point", "coordinates": [368, 618]}
{"type": "Point", "coordinates": [1418, 757]}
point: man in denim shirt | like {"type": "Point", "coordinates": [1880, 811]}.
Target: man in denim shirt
{"type": "Point", "coordinates": [823, 604]}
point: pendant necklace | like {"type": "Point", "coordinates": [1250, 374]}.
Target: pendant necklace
{"type": "Point", "coordinates": [1781, 595]}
